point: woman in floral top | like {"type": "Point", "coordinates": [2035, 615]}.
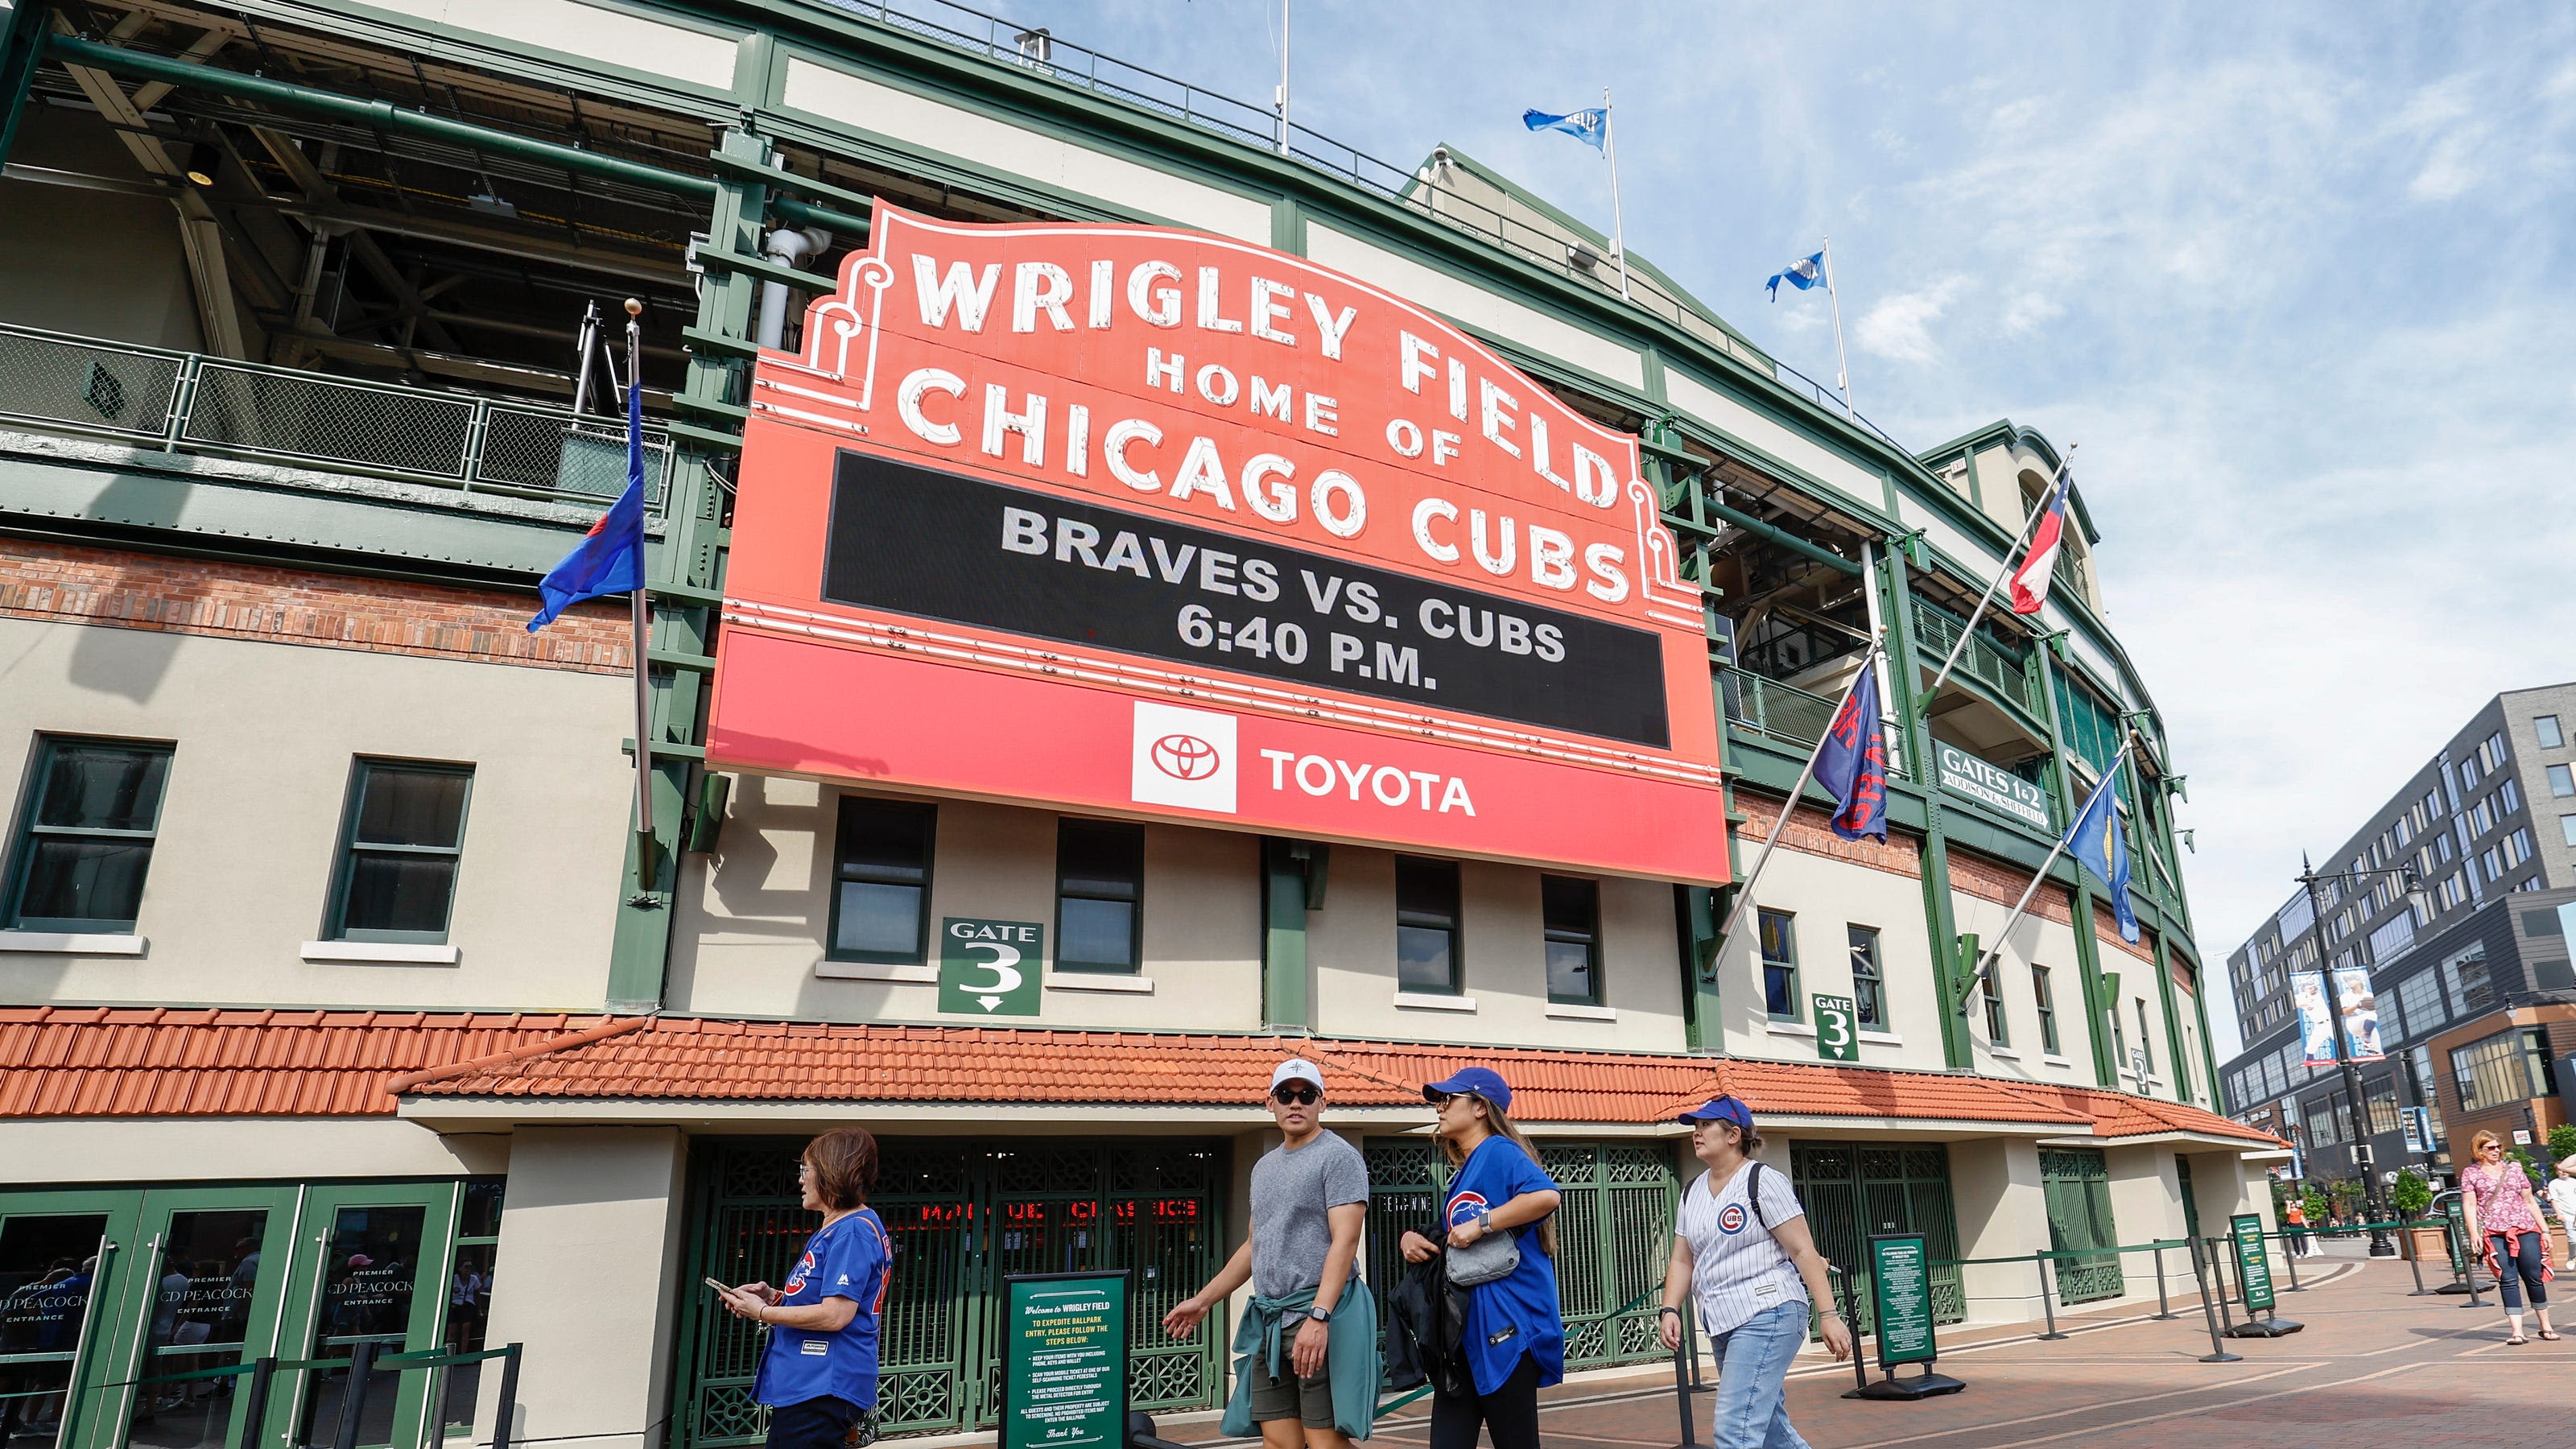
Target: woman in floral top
{"type": "Point", "coordinates": [2504, 1219]}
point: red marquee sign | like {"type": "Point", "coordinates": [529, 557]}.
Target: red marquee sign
{"type": "Point", "coordinates": [1135, 521]}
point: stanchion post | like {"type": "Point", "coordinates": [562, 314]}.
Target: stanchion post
{"type": "Point", "coordinates": [1851, 1320]}
{"type": "Point", "coordinates": [1682, 1393]}
{"type": "Point", "coordinates": [508, 1409]}
{"type": "Point", "coordinates": [353, 1394]}
{"type": "Point", "coordinates": [255, 1409]}
{"type": "Point", "coordinates": [1690, 1345]}
{"type": "Point", "coordinates": [2164, 1301]}
{"type": "Point", "coordinates": [2199, 1279]}
{"type": "Point", "coordinates": [2290, 1260]}
{"type": "Point", "coordinates": [2046, 1306]}
{"type": "Point", "coordinates": [2414, 1261]}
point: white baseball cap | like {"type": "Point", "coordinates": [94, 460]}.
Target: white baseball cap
{"type": "Point", "coordinates": [1296, 1069]}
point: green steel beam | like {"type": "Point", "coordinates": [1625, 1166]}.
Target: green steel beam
{"type": "Point", "coordinates": [1774, 534]}
{"type": "Point", "coordinates": [1940, 916]}
{"type": "Point", "coordinates": [22, 44]}
{"type": "Point", "coordinates": [2088, 951]}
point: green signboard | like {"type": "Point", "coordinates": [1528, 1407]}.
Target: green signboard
{"type": "Point", "coordinates": [1837, 1029]}
{"type": "Point", "coordinates": [2253, 1267]}
{"type": "Point", "coordinates": [990, 968]}
{"type": "Point", "coordinates": [1901, 1289]}
{"type": "Point", "coordinates": [1064, 1362]}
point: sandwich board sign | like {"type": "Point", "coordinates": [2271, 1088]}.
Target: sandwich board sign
{"type": "Point", "coordinates": [1064, 1369]}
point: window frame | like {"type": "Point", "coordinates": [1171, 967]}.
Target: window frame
{"type": "Point", "coordinates": [1869, 1008]}
{"type": "Point", "coordinates": [1550, 935]}
{"type": "Point", "coordinates": [1135, 903]}
{"type": "Point", "coordinates": [2146, 1038]}
{"type": "Point", "coordinates": [1766, 964]}
{"type": "Point", "coordinates": [920, 953]}
{"type": "Point", "coordinates": [2044, 993]}
{"type": "Point", "coordinates": [1453, 925]}
{"type": "Point", "coordinates": [344, 864]}
{"type": "Point", "coordinates": [2545, 729]}
{"type": "Point", "coordinates": [28, 829]}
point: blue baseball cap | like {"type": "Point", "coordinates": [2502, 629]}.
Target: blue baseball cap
{"type": "Point", "coordinates": [1484, 1082]}
{"type": "Point", "coordinates": [1720, 1109]}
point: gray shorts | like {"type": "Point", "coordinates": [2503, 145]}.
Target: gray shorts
{"type": "Point", "coordinates": [1309, 1401]}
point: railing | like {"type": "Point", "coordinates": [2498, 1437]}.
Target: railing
{"type": "Point", "coordinates": [1079, 66]}
{"type": "Point", "coordinates": [1790, 715]}
{"type": "Point", "coordinates": [187, 402]}
{"type": "Point", "coordinates": [366, 1359]}
{"type": "Point", "coordinates": [2005, 671]}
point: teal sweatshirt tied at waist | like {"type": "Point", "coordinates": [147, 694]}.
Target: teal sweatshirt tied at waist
{"type": "Point", "coordinates": [1270, 1327]}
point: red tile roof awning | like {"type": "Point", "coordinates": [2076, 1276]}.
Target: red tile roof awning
{"type": "Point", "coordinates": [57, 1062]}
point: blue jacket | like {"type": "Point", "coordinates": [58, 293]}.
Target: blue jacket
{"type": "Point", "coordinates": [1350, 1357]}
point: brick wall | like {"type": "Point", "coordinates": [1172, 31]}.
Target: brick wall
{"type": "Point", "coordinates": [1990, 879]}
{"type": "Point", "coordinates": [76, 584]}
{"type": "Point", "coordinates": [1810, 835]}
{"type": "Point", "coordinates": [2106, 929]}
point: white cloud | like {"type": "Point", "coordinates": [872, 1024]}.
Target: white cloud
{"type": "Point", "coordinates": [2027, 312]}
{"type": "Point", "coordinates": [1900, 328]}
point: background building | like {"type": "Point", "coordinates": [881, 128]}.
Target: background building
{"type": "Point", "coordinates": [330, 949]}
{"type": "Point", "coordinates": [2472, 980]}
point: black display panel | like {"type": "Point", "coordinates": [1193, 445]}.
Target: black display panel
{"type": "Point", "coordinates": [917, 541]}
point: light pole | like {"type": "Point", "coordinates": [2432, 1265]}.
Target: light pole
{"type": "Point", "coordinates": [2376, 1201]}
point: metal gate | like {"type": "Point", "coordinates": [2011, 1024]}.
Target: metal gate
{"type": "Point", "coordinates": [1850, 1192]}
{"type": "Point", "coordinates": [964, 1216]}
{"type": "Point", "coordinates": [2078, 1183]}
{"type": "Point", "coordinates": [1614, 1233]}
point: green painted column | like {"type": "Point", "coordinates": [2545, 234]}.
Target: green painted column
{"type": "Point", "coordinates": [1939, 917]}
{"type": "Point", "coordinates": [1698, 910]}
{"type": "Point", "coordinates": [2209, 1059]}
{"type": "Point", "coordinates": [1292, 874]}
{"type": "Point", "coordinates": [22, 43]}
{"type": "Point", "coordinates": [2088, 951]}
{"type": "Point", "coordinates": [684, 572]}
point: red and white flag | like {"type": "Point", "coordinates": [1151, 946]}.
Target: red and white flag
{"type": "Point", "coordinates": [2029, 583]}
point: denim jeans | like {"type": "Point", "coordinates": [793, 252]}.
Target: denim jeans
{"type": "Point", "coordinates": [1752, 1411]}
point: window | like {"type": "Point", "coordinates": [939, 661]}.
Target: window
{"type": "Point", "coordinates": [86, 840]}
{"type": "Point", "coordinates": [2567, 828]}
{"type": "Point", "coordinates": [1779, 965]}
{"type": "Point", "coordinates": [2321, 1123]}
{"type": "Point", "coordinates": [881, 881]}
{"type": "Point", "coordinates": [2420, 997]}
{"type": "Point", "coordinates": [2494, 865]}
{"type": "Point", "coordinates": [1426, 926]}
{"type": "Point", "coordinates": [1571, 916]}
{"type": "Point", "coordinates": [2275, 1079]}
{"type": "Point", "coordinates": [399, 848]}
{"type": "Point", "coordinates": [2426, 1095]}
{"type": "Point", "coordinates": [2382, 1097]}
{"type": "Point", "coordinates": [1869, 982]}
{"type": "Point", "coordinates": [2508, 798]}
{"type": "Point", "coordinates": [2491, 754]}
{"type": "Point", "coordinates": [2510, 1066]}
{"type": "Point", "coordinates": [1998, 1028]}
{"type": "Point", "coordinates": [2119, 1037]}
{"type": "Point", "coordinates": [2468, 773]}
{"type": "Point", "coordinates": [2393, 938]}
{"type": "Point", "coordinates": [2146, 1037]}
{"type": "Point", "coordinates": [469, 1296]}
{"type": "Point", "coordinates": [2466, 974]}
{"type": "Point", "coordinates": [2546, 727]}
{"type": "Point", "coordinates": [1099, 895]}
{"type": "Point", "coordinates": [2482, 817]}
{"type": "Point", "coordinates": [2517, 847]}
{"type": "Point", "coordinates": [2562, 780]}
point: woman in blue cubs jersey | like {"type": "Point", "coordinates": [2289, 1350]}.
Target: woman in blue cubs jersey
{"type": "Point", "coordinates": [1514, 1342]}
{"type": "Point", "coordinates": [818, 1374]}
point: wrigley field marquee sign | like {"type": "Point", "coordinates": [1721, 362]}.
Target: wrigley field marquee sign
{"type": "Point", "coordinates": [1142, 522]}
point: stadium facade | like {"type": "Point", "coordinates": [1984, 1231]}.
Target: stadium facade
{"type": "Point", "coordinates": [344, 990]}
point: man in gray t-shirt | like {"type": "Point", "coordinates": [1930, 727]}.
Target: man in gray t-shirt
{"type": "Point", "coordinates": [1309, 1202]}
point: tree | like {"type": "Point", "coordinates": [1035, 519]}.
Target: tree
{"type": "Point", "coordinates": [2412, 1195]}
{"type": "Point", "coordinates": [2522, 1159]}
{"type": "Point", "coordinates": [2562, 1141]}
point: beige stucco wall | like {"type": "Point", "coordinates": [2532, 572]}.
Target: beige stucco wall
{"type": "Point", "coordinates": [123, 1151]}
{"type": "Point", "coordinates": [265, 736]}
{"type": "Point", "coordinates": [753, 918]}
{"type": "Point", "coordinates": [1827, 896]}
{"type": "Point", "coordinates": [2051, 944]}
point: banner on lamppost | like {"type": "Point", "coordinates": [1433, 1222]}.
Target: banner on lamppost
{"type": "Point", "coordinates": [2316, 1023]}
{"type": "Point", "coordinates": [2358, 1004]}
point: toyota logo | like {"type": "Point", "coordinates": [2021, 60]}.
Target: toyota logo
{"type": "Point", "coordinates": [1186, 757]}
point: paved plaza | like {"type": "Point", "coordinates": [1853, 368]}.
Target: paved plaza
{"type": "Point", "coordinates": [2374, 1366]}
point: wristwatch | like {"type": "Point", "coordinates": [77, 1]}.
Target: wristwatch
{"type": "Point", "coordinates": [1484, 1222]}
{"type": "Point", "coordinates": [1320, 1315]}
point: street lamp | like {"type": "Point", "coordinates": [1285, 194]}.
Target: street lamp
{"type": "Point", "coordinates": [2381, 1246]}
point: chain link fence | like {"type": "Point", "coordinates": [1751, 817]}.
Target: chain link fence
{"type": "Point", "coordinates": [186, 402]}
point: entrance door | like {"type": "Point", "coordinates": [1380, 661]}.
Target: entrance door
{"type": "Point", "coordinates": [369, 1268]}
{"type": "Point", "coordinates": [1851, 1192]}
{"type": "Point", "coordinates": [2078, 1184]}
{"type": "Point", "coordinates": [200, 1291]}
{"type": "Point", "coordinates": [59, 1255]}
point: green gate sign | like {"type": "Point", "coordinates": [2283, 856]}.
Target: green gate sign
{"type": "Point", "coordinates": [990, 968]}
{"type": "Point", "coordinates": [1064, 1362]}
{"type": "Point", "coordinates": [1901, 1291]}
{"type": "Point", "coordinates": [2253, 1268]}
{"type": "Point", "coordinates": [1837, 1029]}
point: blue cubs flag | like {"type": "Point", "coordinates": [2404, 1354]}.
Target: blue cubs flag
{"type": "Point", "coordinates": [1852, 764]}
{"type": "Point", "coordinates": [1803, 273]}
{"type": "Point", "coordinates": [1587, 127]}
{"type": "Point", "coordinates": [2096, 842]}
{"type": "Point", "coordinates": [610, 558]}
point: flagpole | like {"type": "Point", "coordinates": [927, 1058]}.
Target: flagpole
{"type": "Point", "coordinates": [1618, 222]}
{"type": "Point", "coordinates": [1283, 77]}
{"type": "Point", "coordinates": [1842, 359]}
{"type": "Point", "coordinates": [2064, 462]}
{"type": "Point", "coordinates": [2022, 906]}
{"type": "Point", "coordinates": [643, 625]}
{"type": "Point", "coordinates": [1806, 772]}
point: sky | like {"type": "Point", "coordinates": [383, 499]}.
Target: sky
{"type": "Point", "coordinates": [2294, 276]}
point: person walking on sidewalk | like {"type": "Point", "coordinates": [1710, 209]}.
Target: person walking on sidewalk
{"type": "Point", "coordinates": [1305, 1355]}
{"type": "Point", "coordinates": [1497, 1232]}
{"type": "Point", "coordinates": [2562, 1200]}
{"type": "Point", "coordinates": [1744, 1260]}
{"type": "Point", "coordinates": [2504, 1220]}
{"type": "Point", "coordinates": [2295, 1215]}
{"type": "Point", "coordinates": [818, 1373]}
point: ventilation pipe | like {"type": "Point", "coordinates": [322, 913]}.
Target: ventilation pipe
{"type": "Point", "coordinates": [786, 246]}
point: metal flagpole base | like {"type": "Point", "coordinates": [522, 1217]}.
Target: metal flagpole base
{"type": "Point", "coordinates": [1924, 1385]}
{"type": "Point", "coordinates": [2266, 1328]}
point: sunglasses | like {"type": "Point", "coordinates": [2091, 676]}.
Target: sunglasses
{"type": "Point", "coordinates": [1439, 1100]}
{"type": "Point", "coordinates": [1292, 1094]}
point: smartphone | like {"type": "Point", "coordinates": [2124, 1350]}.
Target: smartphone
{"type": "Point", "coordinates": [719, 1287]}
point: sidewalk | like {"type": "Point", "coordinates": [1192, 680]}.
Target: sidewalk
{"type": "Point", "coordinates": [2374, 1366]}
